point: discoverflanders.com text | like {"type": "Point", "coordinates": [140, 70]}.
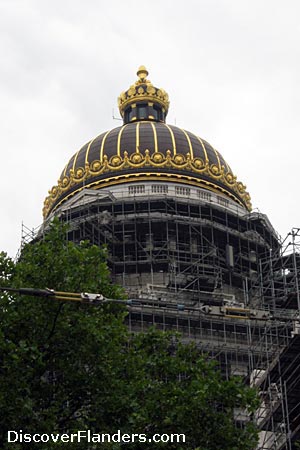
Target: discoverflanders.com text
{"type": "Point", "coordinates": [88, 436]}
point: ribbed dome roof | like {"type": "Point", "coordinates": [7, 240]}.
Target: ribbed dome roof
{"type": "Point", "coordinates": [146, 148]}
{"type": "Point", "coordinates": [141, 136]}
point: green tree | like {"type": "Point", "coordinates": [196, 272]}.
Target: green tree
{"type": "Point", "coordinates": [66, 367]}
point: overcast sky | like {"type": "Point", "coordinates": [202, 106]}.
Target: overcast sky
{"type": "Point", "coordinates": [231, 68]}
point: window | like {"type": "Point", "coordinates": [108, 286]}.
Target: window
{"type": "Point", "coordinates": [204, 195]}
{"type": "Point", "coordinates": [133, 190]}
{"type": "Point", "coordinates": [182, 191]}
{"type": "Point", "coordinates": [159, 189]}
{"type": "Point", "coordinates": [158, 112]}
{"type": "Point", "coordinates": [128, 115]}
{"type": "Point", "coordinates": [223, 201]}
{"type": "Point", "coordinates": [142, 111]}
{"type": "Point", "coordinates": [155, 114]}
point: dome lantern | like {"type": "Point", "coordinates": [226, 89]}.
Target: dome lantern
{"type": "Point", "coordinates": [143, 101]}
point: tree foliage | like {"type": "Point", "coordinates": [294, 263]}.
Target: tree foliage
{"type": "Point", "coordinates": [66, 367]}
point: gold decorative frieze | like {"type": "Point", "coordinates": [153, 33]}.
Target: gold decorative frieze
{"type": "Point", "coordinates": [182, 165]}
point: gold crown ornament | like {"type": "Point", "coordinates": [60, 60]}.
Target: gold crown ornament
{"type": "Point", "coordinates": [143, 91]}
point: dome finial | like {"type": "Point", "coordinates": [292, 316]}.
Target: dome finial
{"type": "Point", "coordinates": [142, 73]}
{"type": "Point", "coordinates": [142, 94]}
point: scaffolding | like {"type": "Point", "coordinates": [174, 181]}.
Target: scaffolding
{"type": "Point", "coordinates": [279, 381]}
{"type": "Point", "coordinates": [236, 280]}
{"type": "Point", "coordinates": [183, 244]}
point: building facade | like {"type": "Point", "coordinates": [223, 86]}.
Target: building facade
{"type": "Point", "coordinates": [190, 252]}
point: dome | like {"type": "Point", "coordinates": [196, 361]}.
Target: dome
{"type": "Point", "coordinates": [146, 148]}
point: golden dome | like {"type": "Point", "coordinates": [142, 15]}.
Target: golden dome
{"type": "Point", "coordinates": [145, 151]}
{"type": "Point", "coordinates": [145, 148]}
